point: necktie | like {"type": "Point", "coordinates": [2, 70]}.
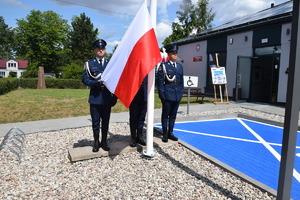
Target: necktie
{"type": "Point", "coordinates": [100, 62]}
{"type": "Point", "coordinates": [174, 65]}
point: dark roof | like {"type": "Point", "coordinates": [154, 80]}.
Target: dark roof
{"type": "Point", "coordinates": [22, 64]}
{"type": "Point", "coordinates": [273, 15]}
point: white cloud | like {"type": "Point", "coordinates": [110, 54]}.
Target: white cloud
{"type": "Point", "coordinates": [17, 3]}
{"type": "Point", "coordinates": [121, 8]}
{"type": "Point", "coordinates": [232, 9]}
{"type": "Point", "coordinates": [163, 30]}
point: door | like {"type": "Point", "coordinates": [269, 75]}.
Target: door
{"type": "Point", "coordinates": [243, 75]}
{"type": "Point", "coordinates": [262, 79]}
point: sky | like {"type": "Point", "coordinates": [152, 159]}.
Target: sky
{"type": "Point", "coordinates": [112, 17]}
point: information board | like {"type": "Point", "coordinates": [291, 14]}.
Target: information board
{"type": "Point", "coordinates": [218, 75]}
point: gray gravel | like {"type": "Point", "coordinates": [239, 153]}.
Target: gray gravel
{"type": "Point", "coordinates": [176, 172]}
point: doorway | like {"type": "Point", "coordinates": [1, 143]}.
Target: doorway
{"type": "Point", "coordinates": [264, 78]}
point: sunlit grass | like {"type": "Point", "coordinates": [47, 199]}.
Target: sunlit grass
{"type": "Point", "coordinates": [33, 104]}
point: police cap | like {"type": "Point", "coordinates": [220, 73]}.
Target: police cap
{"type": "Point", "coordinates": [172, 48]}
{"type": "Point", "coordinates": [99, 43]}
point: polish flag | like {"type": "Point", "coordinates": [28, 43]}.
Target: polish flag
{"type": "Point", "coordinates": [136, 55]}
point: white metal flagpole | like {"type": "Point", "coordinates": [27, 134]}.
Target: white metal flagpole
{"type": "Point", "coordinates": [150, 100]}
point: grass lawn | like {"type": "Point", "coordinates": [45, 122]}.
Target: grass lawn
{"type": "Point", "coordinates": [32, 104]}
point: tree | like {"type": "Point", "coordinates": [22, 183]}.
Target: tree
{"type": "Point", "coordinates": [81, 38]}
{"type": "Point", "coordinates": [72, 71]}
{"type": "Point", "coordinates": [42, 38]}
{"type": "Point", "coordinates": [192, 19]}
{"type": "Point", "coordinates": [6, 40]}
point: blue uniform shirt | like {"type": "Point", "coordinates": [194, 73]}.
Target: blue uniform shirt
{"type": "Point", "coordinates": [100, 96]}
{"type": "Point", "coordinates": [169, 89]}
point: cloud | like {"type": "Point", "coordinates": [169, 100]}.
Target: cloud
{"type": "Point", "coordinates": [122, 8]}
{"type": "Point", "coordinates": [163, 30]}
{"type": "Point", "coordinates": [232, 9]}
{"type": "Point", "coordinates": [16, 3]}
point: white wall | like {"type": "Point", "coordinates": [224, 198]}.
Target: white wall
{"type": "Point", "coordinates": [284, 62]}
{"type": "Point", "coordinates": [236, 46]}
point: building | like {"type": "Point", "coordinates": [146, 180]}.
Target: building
{"type": "Point", "coordinates": [253, 49]}
{"type": "Point", "coordinates": [16, 66]}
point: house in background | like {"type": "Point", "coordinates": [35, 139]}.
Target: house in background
{"type": "Point", "coordinates": [17, 66]}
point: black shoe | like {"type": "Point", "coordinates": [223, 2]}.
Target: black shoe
{"type": "Point", "coordinates": [165, 138]}
{"type": "Point", "coordinates": [141, 141]}
{"type": "Point", "coordinates": [104, 146]}
{"type": "Point", "coordinates": [172, 137]}
{"type": "Point", "coordinates": [133, 142]}
{"type": "Point", "coordinates": [96, 146]}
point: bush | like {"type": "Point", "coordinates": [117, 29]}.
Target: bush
{"type": "Point", "coordinates": [64, 83]}
{"type": "Point", "coordinates": [28, 83]}
{"type": "Point", "coordinates": [8, 84]}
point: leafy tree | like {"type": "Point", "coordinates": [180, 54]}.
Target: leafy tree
{"type": "Point", "coordinates": [42, 38]}
{"type": "Point", "coordinates": [6, 40]}
{"type": "Point", "coordinates": [192, 19]}
{"type": "Point", "coordinates": [72, 71]}
{"type": "Point", "coordinates": [81, 38]}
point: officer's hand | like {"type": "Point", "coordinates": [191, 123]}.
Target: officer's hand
{"type": "Point", "coordinates": [99, 84]}
{"type": "Point", "coordinates": [163, 100]}
{"type": "Point", "coordinates": [114, 99]}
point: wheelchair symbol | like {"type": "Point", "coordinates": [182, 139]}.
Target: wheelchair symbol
{"type": "Point", "coordinates": [190, 82]}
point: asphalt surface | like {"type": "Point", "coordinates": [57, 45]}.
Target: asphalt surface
{"type": "Point", "coordinates": [188, 114]}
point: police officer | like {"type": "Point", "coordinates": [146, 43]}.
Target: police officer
{"type": "Point", "coordinates": [170, 90]}
{"type": "Point", "coordinates": [137, 114]}
{"type": "Point", "coordinates": [100, 98]}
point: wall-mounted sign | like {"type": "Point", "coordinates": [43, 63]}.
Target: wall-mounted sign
{"type": "Point", "coordinates": [218, 75]}
{"type": "Point", "coordinates": [190, 81]}
{"type": "Point", "coordinates": [265, 40]}
{"type": "Point", "coordinates": [197, 59]}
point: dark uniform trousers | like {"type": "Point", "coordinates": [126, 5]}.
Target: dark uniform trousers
{"type": "Point", "coordinates": [170, 92]}
{"type": "Point", "coordinates": [138, 108]}
{"type": "Point", "coordinates": [100, 112]}
{"type": "Point", "coordinates": [137, 113]}
{"type": "Point", "coordinates": [100, 99]}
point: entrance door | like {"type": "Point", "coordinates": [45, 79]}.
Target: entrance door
{"type": "Point", "coordinates": [243, 77]}
{"type": "Point", "coordinates": [264, 78]}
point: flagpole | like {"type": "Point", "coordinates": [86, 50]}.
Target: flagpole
{"type": "Point", "coordinates": [150, 99]}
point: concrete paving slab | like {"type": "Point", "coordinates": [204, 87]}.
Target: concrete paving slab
{"type": "Point", "coordinates": [116, 148]}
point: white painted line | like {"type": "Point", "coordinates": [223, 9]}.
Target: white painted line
{"type": "Point", "coordinates": [268, 146]}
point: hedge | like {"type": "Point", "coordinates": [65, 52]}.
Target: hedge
{"type": "Point", "coordinates": [9, 84]}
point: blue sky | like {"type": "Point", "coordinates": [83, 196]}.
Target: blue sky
{"type": "Point", "coordinates": [113, 17]}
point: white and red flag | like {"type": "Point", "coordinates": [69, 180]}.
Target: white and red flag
{"type": "Point", "coordinates": [136, 55]}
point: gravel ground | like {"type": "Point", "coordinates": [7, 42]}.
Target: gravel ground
{"type": "Point", "coordinates": [45, 172]}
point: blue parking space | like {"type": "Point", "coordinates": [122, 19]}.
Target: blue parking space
{"type": "Point", "coordinates": [250, 147]}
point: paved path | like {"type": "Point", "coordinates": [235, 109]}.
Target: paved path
{"type": "Point", "coordinates": [77, 122]}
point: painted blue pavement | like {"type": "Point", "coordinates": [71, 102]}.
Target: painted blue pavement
{"type": "Point", "coordinates": [250, 147]}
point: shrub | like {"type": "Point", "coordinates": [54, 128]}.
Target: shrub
{"type": "Point", "coordinates": [28, 83]}
{"type": "Point", "coordinates": [8, 84]}
{"type": "Point", "coordinates": [64, 83]}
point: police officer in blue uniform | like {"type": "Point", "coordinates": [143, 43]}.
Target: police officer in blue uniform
{"type": "Point", "coordinates": [170, 89]}
{"type": "Point", "coordinates": [137, 114]}
{"type": "Point", "coordinates": [100, 98]}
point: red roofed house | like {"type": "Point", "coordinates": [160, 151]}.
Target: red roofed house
{"type": "Point", "coordinates": [18, 66]}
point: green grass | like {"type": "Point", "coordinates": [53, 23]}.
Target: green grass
{"type": "Point", "coordinates": [33, 104]}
